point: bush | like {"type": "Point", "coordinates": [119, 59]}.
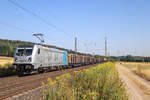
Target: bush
{"type": "Point", "coordinates": [112, 60]}
{"type": "Point", "coordinates": [96, 83]}
{"type": "Point", "coordinates": [6, 70]}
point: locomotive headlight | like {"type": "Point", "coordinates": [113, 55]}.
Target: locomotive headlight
{"type": "Point", "coordinates": [30, 59]}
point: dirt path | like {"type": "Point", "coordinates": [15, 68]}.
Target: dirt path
{"type": "Point", "coordinates": [137, 88]}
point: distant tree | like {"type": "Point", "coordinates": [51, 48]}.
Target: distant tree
{"type": "Point", "coordinates": [97, 56]}
{"type": "Point", "coordinates": [129, 58]}
{"type": "Point", "coordinates": [112, 60]}
{"type": "Point", "coordinates": [147, 59]}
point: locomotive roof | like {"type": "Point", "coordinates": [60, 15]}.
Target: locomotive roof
{"type": "Point", "coordinates": [45, 47]}
{"type": "Point", "coordinates": [52, 49]}
{"type": "Point", "coordinates": [25, 45]}
{"type": "Point", "coordinates": [57, 50]}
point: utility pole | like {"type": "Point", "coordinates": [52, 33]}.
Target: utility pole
{"type": "Point", "coordinates": [75, 44]}
{"type": "Point", "coordinates": [106, 46]}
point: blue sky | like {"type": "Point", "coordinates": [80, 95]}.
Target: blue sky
{"type": "Point", "coordinates": [126, 23]}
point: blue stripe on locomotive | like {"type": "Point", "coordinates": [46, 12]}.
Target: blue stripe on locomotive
{"type": "Point", "coordinates": [64, 58]}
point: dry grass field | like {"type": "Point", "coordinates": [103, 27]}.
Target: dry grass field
{"type": "Point", "coordinates": [5, 66]}
{"type": "Point", "coordinates": [141, 69]}
{"type": "Point", "coordinates": [5, 60]}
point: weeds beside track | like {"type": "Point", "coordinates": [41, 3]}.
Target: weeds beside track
{"type": "Point", "coordinates": [14, 85]}
{"type": "Point", "coordinates": [6, 70]}
{"type": "Point", "coordinates": [96, 83]}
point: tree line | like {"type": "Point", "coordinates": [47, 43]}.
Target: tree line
{"type": "Point", "coordinates": [130, 58]}
{"type": "Point", "coordinates": [8, 47]}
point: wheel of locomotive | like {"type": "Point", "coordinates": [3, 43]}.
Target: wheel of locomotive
{"type": "Point", "coordinates": [40, 70]}
{"type": "Point", "coordinates": [49, 69]}
{"type": "Point", "coordinates": [20, 74]}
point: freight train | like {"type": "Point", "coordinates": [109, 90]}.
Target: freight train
{"type": "Point", "coordinates": [29, 58]}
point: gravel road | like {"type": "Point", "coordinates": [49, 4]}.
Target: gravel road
{"type": "Point", "coordinates": [137, 88]}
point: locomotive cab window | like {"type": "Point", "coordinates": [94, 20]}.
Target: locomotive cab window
{"type": "Point", "coordinates": [38, 51]}
{"type": "Point", "coordinates": [24, 51]}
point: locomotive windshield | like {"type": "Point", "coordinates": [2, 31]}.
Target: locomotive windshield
{"type": "Point", "coordinates": [24, 51]}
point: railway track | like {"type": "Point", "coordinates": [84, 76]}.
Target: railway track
{"type": "Point", "coordinates": [10, 86]}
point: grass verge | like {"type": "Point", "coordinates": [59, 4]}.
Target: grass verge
{"type": "Point", "coordinates": [6, 70]}
{"type": "Point", "coordinates": [96, 83]}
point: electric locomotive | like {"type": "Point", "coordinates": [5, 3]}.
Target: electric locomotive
{"type": "Point", "coordinates": [28, 58]}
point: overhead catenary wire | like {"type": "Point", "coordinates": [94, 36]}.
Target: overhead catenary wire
{"type": "Point", "coordinates": [15, 27]}
{"type": "Point", "coordinates": [23, 30]}
{"type": "Point", "coordinates": [50, 24]}
{"type": "Point", "coordinates": [27, 30]}
{"type": "Point", "coordinates": [39, 17]}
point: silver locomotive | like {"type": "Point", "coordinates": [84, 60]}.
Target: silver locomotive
{"type": "Point", "coordinates": [28, 58]}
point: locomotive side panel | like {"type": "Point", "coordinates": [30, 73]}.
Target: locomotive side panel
{"type": "Point", "coordinates": [46, 57]}
{"type": "Point", "coordinates": [52, 58]}
{"type": "Point", "coordinates": [36, 57]}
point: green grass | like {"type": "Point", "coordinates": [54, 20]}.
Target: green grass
{"type": "Point", "coordinates": [96, 83]}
